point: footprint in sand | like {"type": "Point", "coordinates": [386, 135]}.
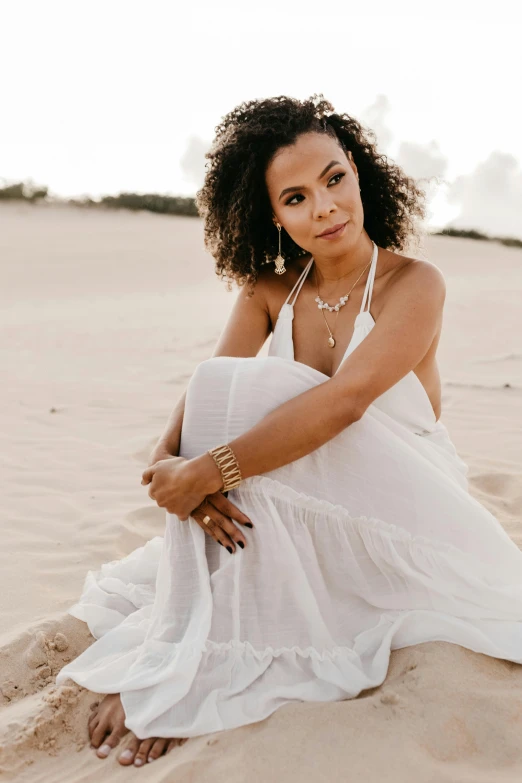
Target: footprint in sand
{"type": "Point", "coordinates": [49, 721]}
{"type": "Point", "coordinates": [36, 654]}
{"type": "Point", "coordinates": [36, 714]}
{"type": "Point", "coordinates": [30, 662]}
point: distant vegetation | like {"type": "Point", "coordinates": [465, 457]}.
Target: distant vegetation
{"type": "Point", "coordinates": [23, 191]}
{"type": "Point", "coordinates": [152, 202]}
{"type": "Point", "coordinates": [472, 234]}
{"type": "Point", "coordinates": [175, 205]}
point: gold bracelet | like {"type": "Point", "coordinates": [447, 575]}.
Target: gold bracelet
{"type": "Point", "coordinates": [228, 465]}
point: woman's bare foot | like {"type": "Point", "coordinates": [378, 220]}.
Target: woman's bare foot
{"type": "Point", "coordinates": [108, 718]}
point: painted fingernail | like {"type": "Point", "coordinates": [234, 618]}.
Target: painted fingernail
{"type": "Point", "coordinates": [241, 544]}
{"type": "Point", "coordinates": [249, 524]}
{"type": "Point", "coordinates": [127, 754]}
{"type": "Point", "coordinates": [229, 549]}
{"type": "Point", "coordinates": [104, 750]}
{"type": "Point", "coordinates": [220, 542]}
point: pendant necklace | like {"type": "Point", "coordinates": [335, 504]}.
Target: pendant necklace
{"type": "Point", "coordinates": [342, 301]}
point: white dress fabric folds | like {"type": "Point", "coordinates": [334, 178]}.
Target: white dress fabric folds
{"type": "Point", "coordinates": [368, 544]}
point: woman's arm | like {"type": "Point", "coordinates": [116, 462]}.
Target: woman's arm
{"type": "Point", "coordinates": [401, 337]}
{"type": "Point", "coordinates": [169, 440]}
{"type": "Point", "coordinates": [244, 334]}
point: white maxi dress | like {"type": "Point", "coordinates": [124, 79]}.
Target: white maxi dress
{"type": "Point", "coordinates": [368, 544]}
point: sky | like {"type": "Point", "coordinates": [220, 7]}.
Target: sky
{"type": "Point", "coordinates": [104, 96]}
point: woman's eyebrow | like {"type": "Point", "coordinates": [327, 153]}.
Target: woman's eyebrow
{"type": "Point", "coordinates": [301, 187]}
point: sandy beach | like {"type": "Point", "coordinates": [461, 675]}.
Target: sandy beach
{"type": "Point", "coordinates": [104, 316]}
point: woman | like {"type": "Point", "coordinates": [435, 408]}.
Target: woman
{"type": "Point", "coordinates": [349, 526]}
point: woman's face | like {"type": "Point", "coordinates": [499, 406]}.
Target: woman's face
{"type": "Point", "coordinates": [310, 193]}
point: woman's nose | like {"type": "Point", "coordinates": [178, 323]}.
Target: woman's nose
{"type": "Point", "coordinates": [324, 208]}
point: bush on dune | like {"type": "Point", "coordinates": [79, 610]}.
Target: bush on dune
{"type": "Point", "coordinates": [471, 233]}
{"type": "Point", "coordinates": [26, 191]}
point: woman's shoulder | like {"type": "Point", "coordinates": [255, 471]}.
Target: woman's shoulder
{"type": "Point", "coordinates": [406, 279]}
{"type": "Point", "coordinates": [276, 288]}
{"type": "Point", "coordinates": [402, 270]}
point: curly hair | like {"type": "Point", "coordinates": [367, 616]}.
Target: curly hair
{"type": "Point", "coordinates": [234, 201]}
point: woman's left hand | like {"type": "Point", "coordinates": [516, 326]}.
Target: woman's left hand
{"type": "Point", "coordinates": [176, 485]}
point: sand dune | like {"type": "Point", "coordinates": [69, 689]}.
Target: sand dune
{"type": "Point", "coordinates": [104, 317]}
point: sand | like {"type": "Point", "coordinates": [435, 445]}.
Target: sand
{"type": "Point", "coordinates": [104, 316]}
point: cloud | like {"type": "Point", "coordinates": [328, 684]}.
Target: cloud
{"type": "Point", "coordinates": [422, 161]}
{"type": "Point", "coordinates": [374, 117]}
{"type": "Point", "coordinates": [193, 161]}
{"type": "Point", "coordinates": [427, 165]}
{"type": "Point", "coordinates": [490, 198]}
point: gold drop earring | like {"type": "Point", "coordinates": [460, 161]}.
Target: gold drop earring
{"type": "Point", "coordinates": [280, 261]}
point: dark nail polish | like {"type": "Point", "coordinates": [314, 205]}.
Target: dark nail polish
{"type": "Point", "coordinates": [229, 549]}
{"type": "Point", "coordinates": [221, 543]}
{"type": "Point", "coordinates": [240, 543]}
{"type": "Point", "coordinates": [249, 524]}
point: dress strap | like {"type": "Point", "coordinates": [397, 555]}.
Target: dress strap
{"type": "Point", "coordinates": [300, 281]}
{"type": "Point", "coordinates": [369, 282]}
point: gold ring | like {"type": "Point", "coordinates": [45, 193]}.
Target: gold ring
{"type": "Point", "coordinates": [206, 519]}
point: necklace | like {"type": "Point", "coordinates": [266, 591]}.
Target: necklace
{"type": "Point", "coordinates": [342, 301]}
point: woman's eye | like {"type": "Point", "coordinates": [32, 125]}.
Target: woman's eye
{"type": "Point", "coordinates": [339, 174]}
{"type": "Point", "coordinates": [290, 200]}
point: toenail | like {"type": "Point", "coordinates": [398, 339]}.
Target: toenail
{"type": "Point", "coordinates": [105, 750]}
{"type": "Point", "coordinates": [127, 754]}
{"type": "Point", "coordinates": [138, 762]}
{"type": "Point", "coordinates": [150, 758]}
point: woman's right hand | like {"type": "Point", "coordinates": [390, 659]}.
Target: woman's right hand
{"type": "Point", "coordinates": [221, 526]}
{"type": "Point", "coordinates": [219, 508]}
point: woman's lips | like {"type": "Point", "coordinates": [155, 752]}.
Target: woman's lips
{"type": "Point", "coordinates": [335, 234]}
